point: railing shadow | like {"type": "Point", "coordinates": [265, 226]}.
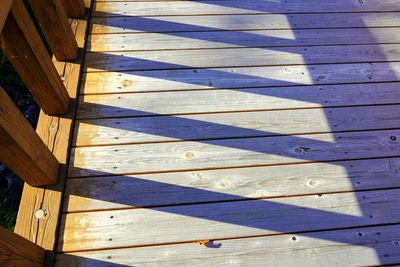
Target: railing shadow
{"type": "Point", "coordinates": [306, 218]}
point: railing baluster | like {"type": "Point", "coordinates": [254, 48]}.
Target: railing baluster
{"type": "Point", "coordinates": [17, 251]}
{"type": "Point", "coordinates": [5, 6]}
{"type": "Point", "coordinates": [54, 23]}
{"type": "Point", "coordinates": [21, 149]}
{"type": "Point", "coordinates": [74, 8]}
{"type": "Point", "coordinates": [26, 51]}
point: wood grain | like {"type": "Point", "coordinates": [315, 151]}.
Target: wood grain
{"type": "Point", "coordinates": [248, 99]}
{"type": "Point", "coordinates": [17, 251]}
{"type": "Point", "coordinates": [56, 131]}
{"type": "Point", "coordinates": [225, 39]}
{"type": "Point", "coordinates": [207, 154]}
{"type": "Point", "coordinates": [149, 190]}
{"type": "Point", "coordinates": [232, 125]}
{"type": "Point", "coordinates": [306, 139]}
{"type": "Point", "coordinates": [162, 8]}
{"type": "Point", "coordinates": [328, 248]}
{"type": "Point", "coordinates": [167, 80]}
{"type": "Point", "coordinates": [220, 58]}
{"type": "Point", "coordinates": [134, 227]}
{"type": "Point", "coordinates": [55, 25]}
{"type": "Point", "coordinates": [74, 8]}
{"type": "Point", "coordinates": [126, 24]}
{"type": "Point", "coordinates": [21, 149]}
{"type": "Point", "coordinates": [24, 48]}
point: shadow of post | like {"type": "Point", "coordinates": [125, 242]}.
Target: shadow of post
{"type": "Point", "coordinates": [374, 205]}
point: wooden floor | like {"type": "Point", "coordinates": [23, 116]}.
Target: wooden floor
{"type": "Point", "coordinates": [236, 133]}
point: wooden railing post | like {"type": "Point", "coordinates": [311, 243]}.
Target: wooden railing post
{"type": "Point", "coordinates": [54, 23]}
{"type": "Point", "coordinates": [21, 149]}
{"type": "Point", "coordinates": [18, 251]}
{"type": "Point", "coordinates": [5, 7]}
{"type": "Point", "coordinates": [23, 47]}
{"type": "Point", "coordinates": [74, 8]}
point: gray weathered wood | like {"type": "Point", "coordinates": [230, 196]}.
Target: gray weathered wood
{"type": "Point", "coordinates": [115, 192]}
{"type": "Point", "coordinates": [125, 159]}
{"type": "Point", "coordinates": [223, 39]}
{"type": "Point", "coordinates": [228, 125]}
{"type": "Point", "coordinates": [242, 22]}
{"type": "Point", "coordinates": [164, 80]}
{"type": "Point", "coordinates": [315, 250]}
{"type": "Point", "coordinates": [162, 8]}
{"type": "Point", "coordinates": [249, 99]}
{"type": "Point", "coordinates": [137, 179]}
{"type": "Point", "coordinates": [119, 228]}
{"type": "Point", "coordinates": [213, 58]}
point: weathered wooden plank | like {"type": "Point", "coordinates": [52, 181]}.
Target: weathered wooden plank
{"type": "Point", "coordinates": [100, 193]}
{"type": "Point", "coordinates": [56, 131]}
{"type": "Point", "coordinates": [233, 57]}
{"type": "Point", "coordinates": [164, 80]}
{"type": "Point", "coordinates": [354, 247]}
{"type": "Point", "coordinates": [118, 228]}
{"type": "Point", "coordinates": [232, 125]}
{"type": "Point", "coordinates": [126, 24]}
{"type": "Point", "coordinates": [55, 25]}
{"type": "Point", "coordinates": [22, 149]}
{"type": "Point", "coordinates": [5, 7]}
{"type": "Point", "coordinates": [17, 251]}
{"type": "Point", "coordinates": [26, 51]}
{"type": "Point", "coordinates": [165, 8]}
{"type": "Point", "coordinates": [224, 39]}
{"type": "Point", "coordinates": [206, 154]}
{"type": "Point", "coordinates": [249, 99]}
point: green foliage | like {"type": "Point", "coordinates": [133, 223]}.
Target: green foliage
{"type": "Point", "coordinates": [9, 198]}
{"type": "Point", "coordinates": [8, 213]}
{"type": "Point", "coordinates": [7, 73]}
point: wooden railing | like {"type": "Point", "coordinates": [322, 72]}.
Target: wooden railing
{"type": "Point", "coordinates": [21, 149]}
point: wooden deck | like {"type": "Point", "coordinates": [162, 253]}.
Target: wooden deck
{"type": "Point", "coordinates": [236, 133]}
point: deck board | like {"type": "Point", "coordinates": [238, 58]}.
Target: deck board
{"type": "Point", "coordinates": [225, 153]}
{"type": "Point", "coordinates": [260, 38]}
{"type": "Point", "coordinates": [242, 22]}
{"type": "Point", "coordinates": [160, 189]}
{"type": "Point", "coordinates": [220, 58]}
{"type": "Point", "coordinates": [215, 7]}
{"type": "Point", "coordinates": [246, 99]}
{"type": "Point", "coordinates": [232, 78]}
{"type": "Point", "coordinates": [140, 227]}
{"type": "Point", "coordinates": [268, 129]}
{"type": "Point", "coordinates": [315, 249]}
{"type": "Point", "coordinates": [233, 125]}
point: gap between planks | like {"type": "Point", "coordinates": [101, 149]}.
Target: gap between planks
{"type": "Point", "coordinates": [141, 227]}
{"type": "Point", "coordinates": [100, 83]}
{"type": "Point", "coordinates": [276, 250]}
{"type": "Point", "coordinates": [226, 7]}
{"type": "Point", "coordinates": [56, 133]}
{"type": "Point", "coordinates": [241, 23]}
{"type": "Point", "coordinates": [115, 192]}
{"type": "Point", "coordinates": [139, 130]}
{"type": "Point", "coordinates": [217, 39]}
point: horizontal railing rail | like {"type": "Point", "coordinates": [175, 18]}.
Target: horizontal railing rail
{"type": "Point", "coordinates": [21, 148]}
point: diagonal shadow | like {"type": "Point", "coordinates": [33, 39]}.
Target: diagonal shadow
{"type": "Point", "coordinates": [298, 148]}
{"type": "Point", "coordinates": [244, 7]}
{"type": "Point", "coordinates": [260, 217]}
{"type": "Point", "coordinates": [307, 218]}
{"type": "Point", "coordinates": [175, 24]}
